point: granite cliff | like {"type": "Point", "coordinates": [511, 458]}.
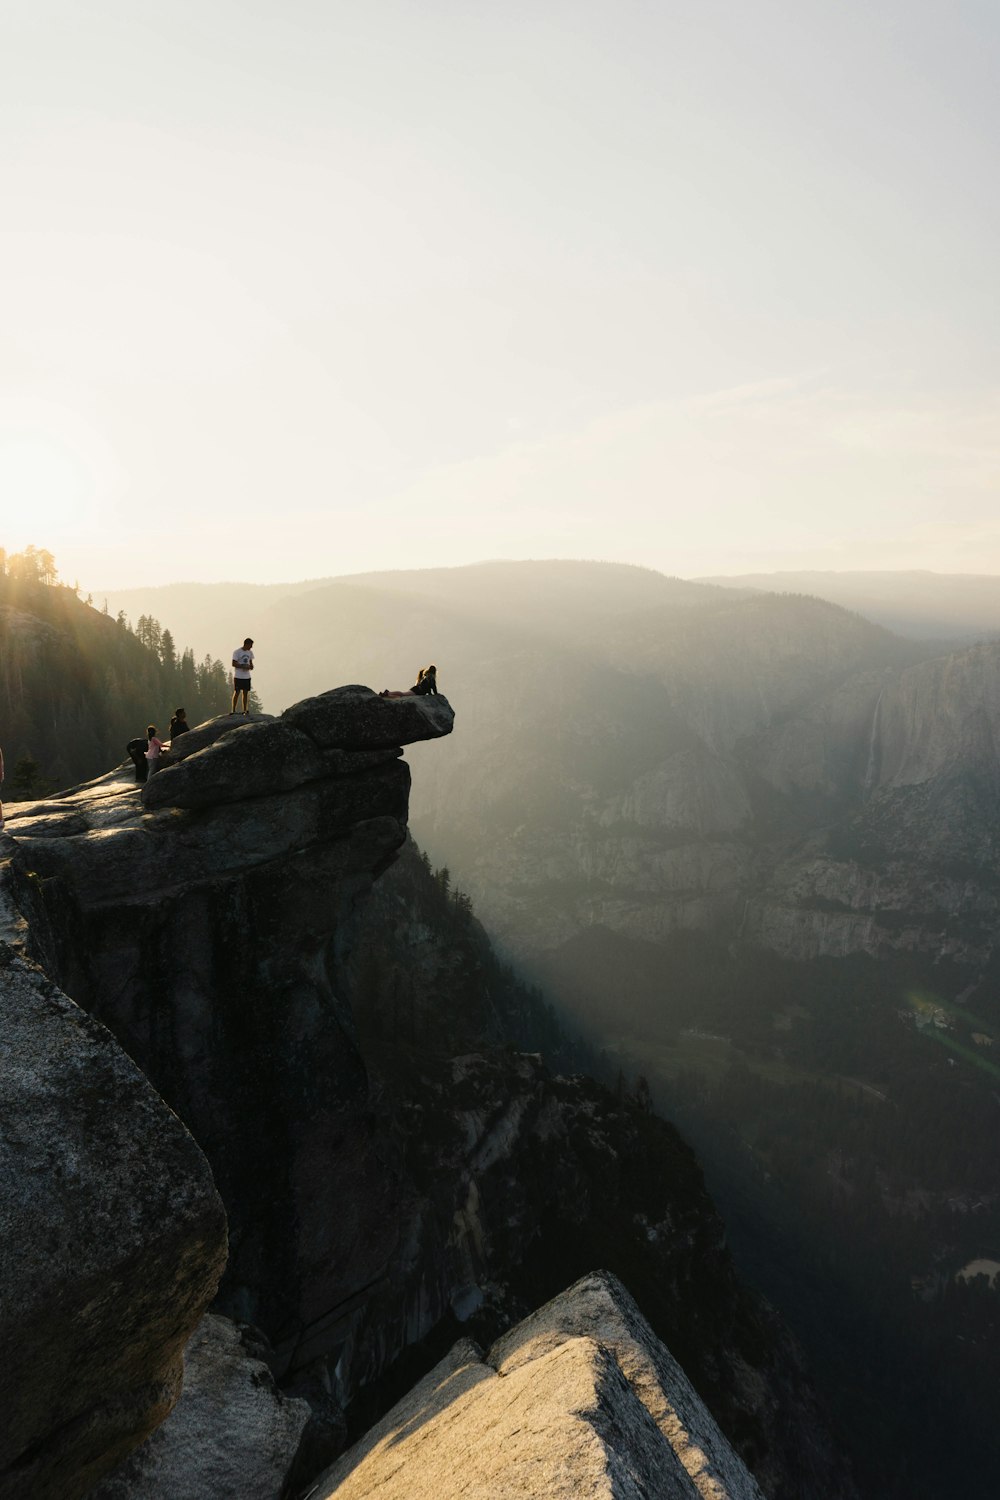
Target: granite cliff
{"type": "Point", "coordinates": [384, 1191]}
{"type": "Point", "coordinates": [202, 919]}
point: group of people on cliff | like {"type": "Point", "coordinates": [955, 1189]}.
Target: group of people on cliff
{"type": "Point", "coordinates": [145, 752]}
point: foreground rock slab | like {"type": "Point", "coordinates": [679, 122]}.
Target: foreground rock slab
{"type": "Point", "coordinates": [112, 1243]}
{"type": "Point", "coordinates": [231, 1433]}
{"type": "Point", "coordinates": [581, 1399]}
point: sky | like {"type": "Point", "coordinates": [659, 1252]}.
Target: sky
{"type": "Point", "coordinates": [315, 288]}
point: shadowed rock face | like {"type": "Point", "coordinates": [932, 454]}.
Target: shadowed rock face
{"type": "Point", "coordinates": [112, 1242]}
{"type": "Point", "coordinates": [204, 919]}
{"type": "Point", "coordinates": [579, 1399]}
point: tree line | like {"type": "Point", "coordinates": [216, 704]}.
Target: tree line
{"type": "Point", "coordinates": [76, 684]}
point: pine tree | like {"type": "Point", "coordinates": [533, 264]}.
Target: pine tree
{"type": "Point", "coordinates": [168, 651]}
{"type": "Point", "coordinates": [27, 781]}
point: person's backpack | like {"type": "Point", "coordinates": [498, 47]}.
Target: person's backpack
{"type": "Point", "coordinates": [137, 747]}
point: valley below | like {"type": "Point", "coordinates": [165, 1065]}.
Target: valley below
{"type": "Point", "coordinates": [749, 846]}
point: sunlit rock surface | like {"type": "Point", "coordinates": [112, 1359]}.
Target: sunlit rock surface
{"type": "Point", "coordinates": [581, 1399]}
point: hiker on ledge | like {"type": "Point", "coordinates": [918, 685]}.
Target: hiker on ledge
{"type": "Point", "coordinates": [242, 668]}
{"type": "Point", "coordinates": [426, 683]}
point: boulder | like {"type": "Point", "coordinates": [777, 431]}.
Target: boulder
{"type": "Point", "coordinates": [265, 758]}
{"type": "Point", "coordinates": [579, 1399]}
{"type": "Point", "coordinates": [112, 1243]}
{"type": "Point", "coordinates": [206, 734]}
{"type": "Point", "coordinates": [231, 1433]}
{"type": "Point", "coordinates": [599, 1308]}
{"type": "Point", "coordinates": [356, 718]}
{"type": "Point", "coordinates": [256, 761]}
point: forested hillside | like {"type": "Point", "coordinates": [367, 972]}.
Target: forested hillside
{"type": "Point", "coordinates": [77, 684]}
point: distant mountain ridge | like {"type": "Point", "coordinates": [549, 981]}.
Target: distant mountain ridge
{"type": "Point", "coordinates": [207, 613]}
{"type": "Point", "coordinates": [949, 606]}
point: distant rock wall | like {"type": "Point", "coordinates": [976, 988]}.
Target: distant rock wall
{"type": "Point", "coordinates": [786, 783]}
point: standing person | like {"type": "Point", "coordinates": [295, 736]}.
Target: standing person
{"type": "Point", "coordinates": [153, 750]}
{"type": "Point", "coordinates": [178, 724]}
{"type": "Point", "coordinates": [242, 668]}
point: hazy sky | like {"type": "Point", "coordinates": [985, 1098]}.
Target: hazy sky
{"type": "Point", "coordinates": [292, 289]}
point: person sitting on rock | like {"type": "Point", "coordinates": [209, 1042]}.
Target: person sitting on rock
{"type": "Point", "coordinates": [178, 724]}
{"type": "Point", "coordinates": [426, 683]}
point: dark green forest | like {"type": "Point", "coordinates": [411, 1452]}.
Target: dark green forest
{"type": "Point", "coordinates": [76, 683]}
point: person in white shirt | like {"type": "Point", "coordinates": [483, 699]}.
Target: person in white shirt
{"type": "Point", "coordinates": [242, 668]}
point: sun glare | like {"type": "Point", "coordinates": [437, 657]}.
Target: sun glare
{"type": "Point", "coordinates": [44, 490]}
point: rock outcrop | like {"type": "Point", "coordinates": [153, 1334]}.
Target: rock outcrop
{"type": "Point", "coordinates": [232, 1433]}
{"type": "Point", "coordinates": [112, 1242]}
{"type": "Point", "coordinates": [579, 1399]}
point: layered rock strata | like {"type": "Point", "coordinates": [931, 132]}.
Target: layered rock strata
{"type": "Point", "coordinates": [579, 1399]}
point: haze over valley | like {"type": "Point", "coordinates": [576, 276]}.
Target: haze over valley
{"type": "Point", "coordinates": [747, 841]}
